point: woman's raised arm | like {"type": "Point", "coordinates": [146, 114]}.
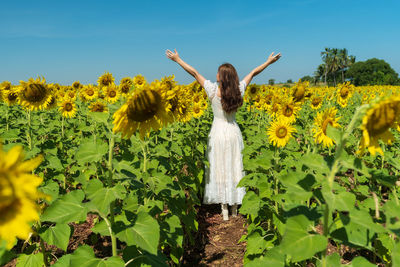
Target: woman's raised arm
{"type": "Point", "coordinates": [271, 59]}
{"type": "Point", "coordinates": [192, 71]}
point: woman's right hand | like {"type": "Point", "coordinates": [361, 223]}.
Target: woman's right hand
{"type": "Point", "coordinates": [171, 55]}
{"type": "Point", "coordinates": [272, 58]}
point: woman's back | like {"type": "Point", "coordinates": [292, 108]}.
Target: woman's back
{"type": "Point", "coordinates": [212, 91]}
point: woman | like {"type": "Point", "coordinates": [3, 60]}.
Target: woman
{"type": "Point", "coordinates": [225, 141]}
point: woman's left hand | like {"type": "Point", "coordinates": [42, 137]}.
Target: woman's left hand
{"type": "Point", "coordinates": [171, 55]}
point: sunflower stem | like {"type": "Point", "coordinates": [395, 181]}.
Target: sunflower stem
{"type": "Point", "coordinates": [110, 156]}
{"type": "Point", "coordinates": [29, 134]}
{"type": "Point", "coordinates": [44, 252]}
{"type": "Point", "coordinates": [7, 118]}
{"type": "Point", "coordinates": [113, 239]}
{"type": "Point", "coordinates": [144, 146]}
{"type": "Point", "coordinates": [62, 126]}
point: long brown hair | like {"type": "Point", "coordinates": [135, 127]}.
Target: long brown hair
{"type": "Point", "coordinates": [231, 98]}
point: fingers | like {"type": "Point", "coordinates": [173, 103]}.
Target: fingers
{"type": "Point", "coordinates": [175, 51]}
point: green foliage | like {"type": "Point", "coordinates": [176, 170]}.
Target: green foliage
{"type": "Point", "coordinates": [372, 72]}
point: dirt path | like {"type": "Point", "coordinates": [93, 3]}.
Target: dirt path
{"type": "Point", "coordinates": [216, 240]}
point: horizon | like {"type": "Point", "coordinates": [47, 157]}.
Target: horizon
{"type": "Point", "coordinates": [74, 41]}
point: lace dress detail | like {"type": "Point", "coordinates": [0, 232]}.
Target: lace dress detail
{"type": "Point", "coordinates": [224, 153]}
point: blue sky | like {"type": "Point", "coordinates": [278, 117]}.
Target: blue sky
{"type": "Point", "coordinates": [66, 41]}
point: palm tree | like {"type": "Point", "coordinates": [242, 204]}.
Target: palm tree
{"type": "Point", "coordinates": [334, 65]}
{"type": "Point", "coordinates": [326, 58]}
{"type": "Point", "coordinates": [319, 73]}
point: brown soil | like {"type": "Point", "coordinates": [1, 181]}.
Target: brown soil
{"type": "Point", "coordinates": [216, 242]}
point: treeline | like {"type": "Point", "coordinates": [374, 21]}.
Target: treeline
{"type": "Point", "coordinates": [338, 66]}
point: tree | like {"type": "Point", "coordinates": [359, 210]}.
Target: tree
{"type": "Point", "coordinates": [289, 81]}
{"type": "Point", "coordinates": [335, 60]}
{"type": "Point", "coordinates": [271, 81]}
{"type": "Point", "coordinates": [372, 72]}
{"type": "Point", "coordinates": [319, 73]}
{"type": "Point", "coordinates": [307, 78]}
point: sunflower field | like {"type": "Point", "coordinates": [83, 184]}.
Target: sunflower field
{"type": "Point", "coordinates": [321, 163]}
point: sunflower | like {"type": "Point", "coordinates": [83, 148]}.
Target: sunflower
{"type": "Point", "coordinates": [376, 124]}
{"type": "Point", "coordinates": [280, 132]}
{"type": "Point", "coordinates": [321, 122]}
{"type": "Point", "coordinates": [111, 93]}
{"type": "Point", "coordinates": [139, 81]}
{"type": "Point", "coordinates": [98, 106]}
{"type": "Point", "coordinates": [144, 110]}
{"type": "Point", "coordinates": [34, 94]}
{"type": "Point", "coordinates": [10, 97]}
{"type": "Point", "coordinates": [67, 108]}
{"type": "Point", "coordinates": [197, 110]}
{"type": "Point", "coordinates": [105, 80]}
{"type": "Point", "coordinates": [89, 92]}
{"type": "Point", "coordinates": [70, 93]}
{"type": "Point", "coordinates": [252, 91]}
{"type": "Point", "coordinates": [316, 101]}
{"type": "Point", "coordinates": [5, 86]}
{"type": "Point", "coordinates": [288, 110]}
{"type": "Point", "coordinates": [344, 93]}
{"type": "Point", "coordinates": [53, 103]}
{"type": "Point", "coordinates": [18, 195]}
{"type": "Point", "coordinates": [125, 85]}
{"type": "Point", "coordinates": [300, 92]}
{"type": "Point", "coordinates": [169, 83]}
{"type": "Point", "coordinates": [77, 86]}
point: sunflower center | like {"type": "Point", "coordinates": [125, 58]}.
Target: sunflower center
{"type": "Point", "coordinates": [196, 99]}
{"type": "Point", "coordinates": [253, 90]}
{"type": "Point", "coordinates": [381, 119]}
{"type": "Point", "coordinates": [125, 88]}
{"type": "Point", "coordinates": [35, 92]}
{"type": "Point", "coordinates": [268, 99]}
{"type": "Point", "coordinates": [112, 93]}
{"type": "Point", "coordinates": [12, 97]}
{"type": "Point", "coordinates": [315, 102]}
{"type": "Point", "coordinates": [344, 92]}
{"type": "Point", "coordinates": [174, 103]}
{"type": "Point", "coordinates": [144, 106]}
{"type": "Point", "coordinates": [71, 94]}
{"type": "Point", "coordinates": [196, 110]}
{"type": "Point", "coordinates": [90, 92]}
{"type": "Point", "coordinates": [68, 107]}
{"type": "Point", "coordinates": [287, 110]}
{"type": "Point", "coordinates": [281, 132]}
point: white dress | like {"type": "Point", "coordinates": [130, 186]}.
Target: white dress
{"type": "Point", "coordinates": [224, 153]}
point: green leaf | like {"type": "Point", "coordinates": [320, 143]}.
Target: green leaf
{"type": "Point", "coordinates": [332, 260]}
{"type": "Point", "coordinates": [256, 244]}
{"type": "Point", "coordinates": [32, 260]}
{"type": "Point", "coordinates": [250, 204]}
{"type": "Point", "coordinates": [99, 117]}
{"type": "Point", "coordinates": [64, 261]}
{"type": "Point", "coordinates": [144, 233]}
{"type": "Point", "coordinates": [143, 258]}
{"type": "Point", "coordinates": [343, 201]}
{"type": "Point", "coordinates": [84, 257]}
{"type": "Point", "coordinates": [101, 198]}
{"type": "Point", "coordinates": [57, 235]}
{"type": "Point", "coordinates": [361, 261]}
{"type": "Point", "coordinates": [91, 152]}
{"type": "Point", "coordinates": [298, 185]}
{"type": "Point", "coordinates": [334, 133]}
{"type": "Point", "coordinates": [55, 163]}
{"type": "Point", "coordinates": [273, 258]}
{"type": "Point", "coordinates": [315, 162]}
{"type": "Point", "coordinates": [67, 209]}
{"type": "Point", "coordinates": [51, 189]}
{"type": "Point", "coordinates": [298, 242]}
